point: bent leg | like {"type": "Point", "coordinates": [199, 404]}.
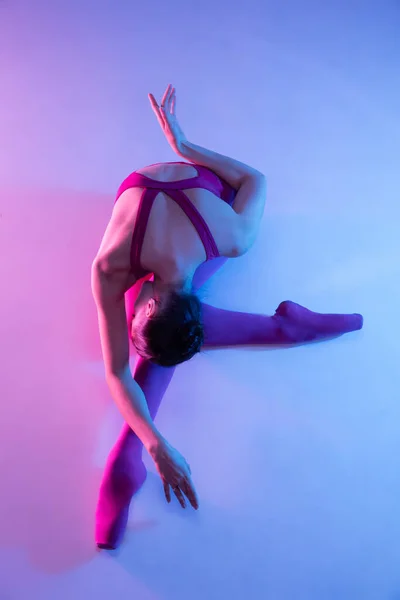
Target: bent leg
{"type": "Point", "coordinates": [125, 472]}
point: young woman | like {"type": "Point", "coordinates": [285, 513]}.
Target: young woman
{"type": "Point", "coordinates": [173, 225]}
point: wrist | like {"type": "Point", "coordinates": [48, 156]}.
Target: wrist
{"type": "Point", "coordinates": [182, 149]}
{"type": "Point", "coordinates": [153, 442]}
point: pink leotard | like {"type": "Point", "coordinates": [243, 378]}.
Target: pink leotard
{"type": "Point", "coordinates": [205, 179]}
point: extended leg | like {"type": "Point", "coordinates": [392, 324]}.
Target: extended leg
{"type": "Point", "coordinates": [291, 324]}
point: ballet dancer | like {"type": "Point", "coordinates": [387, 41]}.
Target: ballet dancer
{"type": "Point", "coordinates": [173, 225]}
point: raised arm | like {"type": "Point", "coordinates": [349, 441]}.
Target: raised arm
{"type": "Point", "coordinates": [251, 186]}
{"type": "Point", "coordinates": [233, 171]}
{"type": "Point", "coordinates": [249, 183]}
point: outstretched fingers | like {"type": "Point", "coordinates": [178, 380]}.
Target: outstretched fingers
{"type": "Point", "coordinates": [180, 496]}
{"type": "Point", "coordinates": [157, 110]}
{"type": "Point", "coordinates": [189, 491]}
{"type": "Point", "coordinates": [185, 488]}
{"type": "Point", "coordinates": [168, 104]}
{"type": "Point", "coordinates": [167, 491]}
{"type": "Point", "coordinates": [166, 96]}
{"type": "Point", "coordinates": [173, 102]}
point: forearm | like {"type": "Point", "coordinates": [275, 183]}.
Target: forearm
{"type": "Point", "coordinates": [132, 405]}
{"type": "Point", "coordinates": [229, 169]}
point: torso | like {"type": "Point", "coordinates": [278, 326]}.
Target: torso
{"type": "Point", "coordinates": [170, 238]}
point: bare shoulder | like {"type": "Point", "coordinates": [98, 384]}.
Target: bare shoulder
{"type": "Point", "coordinates": [231, 244]}
{"type": "Point", "coordinates": [113, 254]}
{"type": "Point", "coordinates": [108, 281]}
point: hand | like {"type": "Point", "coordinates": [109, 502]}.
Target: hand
{"type": "Point", "coordinates": [167, 119]}
{"type": "Point", "coordinates": [175, 472]}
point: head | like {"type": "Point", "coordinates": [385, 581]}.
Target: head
{"type": "Point", "coordinates": [167, 329]}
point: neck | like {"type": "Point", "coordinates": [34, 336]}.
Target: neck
{"type": "Point", "coordinates": [174, 280]}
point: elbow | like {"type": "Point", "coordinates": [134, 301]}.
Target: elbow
{"type": "Point", "coordinates": [101, 265]}
{"type": "Point", "coordinates": [96, 265]}
{"type": "Point", "coordinates": [253, 175]}
{"type": "Point", "coordinates": [241, 247]}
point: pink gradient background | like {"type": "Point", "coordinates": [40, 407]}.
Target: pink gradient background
{"type": "Point", "coordinates": [294, 453]}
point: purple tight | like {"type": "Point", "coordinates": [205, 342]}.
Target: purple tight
{"type": "Point", "coordinates": [125, 472]}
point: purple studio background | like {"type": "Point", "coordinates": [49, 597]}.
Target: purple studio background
{"type": "Point", "coordinates": [294, 452]}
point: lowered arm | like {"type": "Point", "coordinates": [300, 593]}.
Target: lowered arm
{"type": "Point", "coordinates": [108, 293]}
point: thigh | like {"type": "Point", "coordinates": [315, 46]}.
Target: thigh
{"type": "Point", "coordinates": [207, 270]}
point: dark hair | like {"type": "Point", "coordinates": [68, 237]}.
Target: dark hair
{"type": "Point", "coordinates": [174, 334]}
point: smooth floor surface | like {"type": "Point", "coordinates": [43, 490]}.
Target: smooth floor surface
{"type": "Point", "coordinates": [294, 451]}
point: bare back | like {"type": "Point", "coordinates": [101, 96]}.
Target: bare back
{"type": "Point", "coordinates": [170, 238]}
